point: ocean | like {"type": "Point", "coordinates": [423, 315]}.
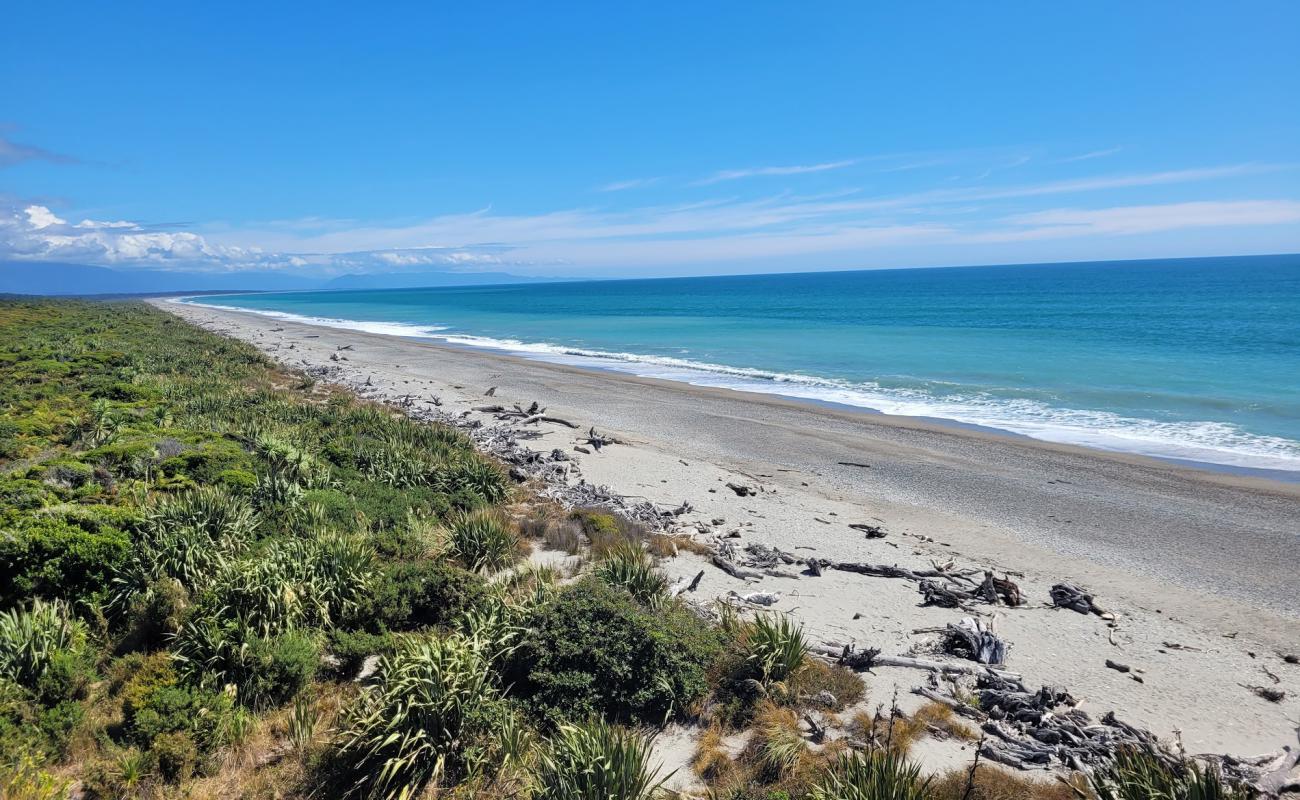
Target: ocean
{"type": "Point", "coordinates": [1192, 359]}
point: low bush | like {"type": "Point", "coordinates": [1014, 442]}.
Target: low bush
{"type": "Point", "coordinates": [411, 595]}
{"type": "Point", "coordinates": [266, 670]}
{"type": "Point", "coordinates": [594, 651]}
{"type": "Point", "coordinates": [52, 558]}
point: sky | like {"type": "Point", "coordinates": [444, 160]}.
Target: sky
{"type": "Point", "coordinates": [625, 140]}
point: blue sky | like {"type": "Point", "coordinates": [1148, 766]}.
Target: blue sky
{"type": "Point", "coordinates": [646, 139]}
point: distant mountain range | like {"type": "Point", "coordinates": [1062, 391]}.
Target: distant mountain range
{"type": "Point", "coordinates": [48, 278]}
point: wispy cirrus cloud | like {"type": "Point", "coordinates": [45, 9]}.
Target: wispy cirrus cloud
{"type": "Point", "coordinates": [846, 227]}
{"type": "Point", "coordinates": [1132, 220]}
{"type": "Point", "coordinates": [12, 152]}
{"type": "Point", "coordinates": [1090, 155]}
{"type": "Point", "coordinates": [753, 172]}
{"type": "Point", "coordinates": [622, 186]}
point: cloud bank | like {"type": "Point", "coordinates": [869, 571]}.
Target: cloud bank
{"type": "Point", "coordinates": [845, 228]}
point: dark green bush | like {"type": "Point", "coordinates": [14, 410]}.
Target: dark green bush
{"type": "Point", "coordinates": [350, 648]}
{"type": "Point", "coordinates": [50, 557]}
{"type": "Point", "coordinates": [23, 494]}
{"type": "Point", "coordinates": [158, 706]}
{"type": "Point", "coordinates": [595, 652]}
{"type": "Point", "coordinates": [175, 755]}
{"type": "Point", "coordinates": [419, 594]}
{"type": "Point", "coordinates": [280, 668]}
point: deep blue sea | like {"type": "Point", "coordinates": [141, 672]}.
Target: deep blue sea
{"type": "Point", "coordinates": [1190, 359]}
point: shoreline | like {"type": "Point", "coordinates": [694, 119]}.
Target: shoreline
{"type": "Point", "coordinates": [1184, 555]}
{"type": "Point", "coordinates": [576, 359]}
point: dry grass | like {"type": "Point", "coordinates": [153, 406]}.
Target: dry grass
{"type": "Point", "coordinates": [817, 676]}
{"type": "Point", "coordinates": [945, 719]}
{"type": "Point", "coordinates": [778, 747]}
{"type": "Point", "coordinates": [606, 532]}
{"type": "Point", "coordinates": [665, 546]}
{"type": "Point", "coordinates": [711, 761]}
{"type": "Point", "coordinates": [995, 783]}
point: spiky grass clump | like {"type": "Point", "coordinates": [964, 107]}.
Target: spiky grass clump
{"type": "Point", "coordinates": [476, 475]}
{"type": "Point", "coordinates": [410, 728]}
{"type": "Point", "coordinates": [775, 649]}
{"type": "Point", "coordinates": [210, 510]}
{"type": "Point", "coordinates": [597, 761]}
{"type": "Point", "coordinates": [186, 540]}
{"type": "Point", "coordinates": [879, 775]}
{"type": "Point", "coordinates": [781, 747]}
{"type": "Point", "coordinates": [293, 583]}
{"type": "Point", "coordinates": [1138, 775]}
{"type": "Point", "coordinates": [483, 541]}
{"type": "Point", "coordinates": [33, 639]}
{"type": "Point", "coordinates": [629, 567]}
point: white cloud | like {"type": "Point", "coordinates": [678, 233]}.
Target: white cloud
{"type": "Point", "coordinates": [1109, 151]}
{"type": "Point", "coordinates": [37, 233]}
{"type": "Point", "coordinates": [737, 174]}
{"type": "Point", "coordinates": [622, 186]}
{"type": "Point", "coordinates": [1130, 220]}
{"type": "Point", "coordinates": [604, 240]}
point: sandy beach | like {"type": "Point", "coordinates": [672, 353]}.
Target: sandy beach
{"type": "Point", "coordinates": [1199, 567]}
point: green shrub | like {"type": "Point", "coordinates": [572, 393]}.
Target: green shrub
{"type": "Point", "coordinates": [419, 594]}
{"type": "Point", "coordinates": [66, 474]}
{"type": "Point", "coordinates": [23, 494]}
{"type": "Point", "coordinates": [349, 649]}
{"type": "Point", "coordinates": [175, 755]}
{"type": "Point", "coordinates": [237, 480]}
{"type": "Point", "coordinates": [595, 652]}
{"type": "Point", "coordinates": [49, 557]}
{"type": "Point", "coordinates": [596, 761]}
{"type": "Point", "coordinates": [266, 671]}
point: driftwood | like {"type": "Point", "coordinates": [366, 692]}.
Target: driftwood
{"type": "Point", "coordinates": [894, 571]}
{"type": "Point", "coordinates": [866, 659]}
{"type": "Point", "coordinates": [741, 490]}
{"type": "Point", "coordinates": [974, 639]}
{"type": "Point", "coordinates": [599, 440]}
{"type": "Point", "coordinates": [1067, 595]}
{"type": "Point", "coordinates": [734, 570]}
{"type": "Point", "coordinates": [686, 586]}
{"type": "Point", "coordinates": [872, 531]}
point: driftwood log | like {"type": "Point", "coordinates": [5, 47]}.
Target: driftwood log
{"type": "Point", "coordinates": [1067, 595]}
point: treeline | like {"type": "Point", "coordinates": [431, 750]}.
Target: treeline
{"type": "Point", "coordinates": [219, 579]}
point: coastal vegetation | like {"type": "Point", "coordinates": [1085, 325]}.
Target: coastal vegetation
{"type": "Point", "coordinates": [220, 578]}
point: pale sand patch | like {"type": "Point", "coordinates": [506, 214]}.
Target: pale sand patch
{"type": "Point", "coordinates": [1182, 556]}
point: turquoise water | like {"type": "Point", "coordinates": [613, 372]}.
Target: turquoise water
{"type": "Point", "coordinates": [1188, 359]}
